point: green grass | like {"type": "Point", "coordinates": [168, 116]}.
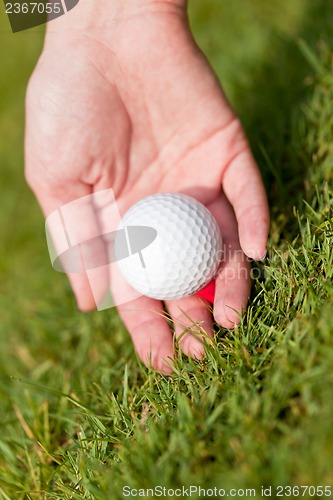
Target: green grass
{"type": "Point", "coordinates": [81, 417]}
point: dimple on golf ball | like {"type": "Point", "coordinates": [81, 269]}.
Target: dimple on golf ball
{"type": "Point", "coordinates": [185, 253]}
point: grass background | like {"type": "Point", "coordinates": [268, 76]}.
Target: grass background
{"type": "Point", "coordinates": [80, 417]}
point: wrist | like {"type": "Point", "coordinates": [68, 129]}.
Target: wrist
{"type": "Point", "coordinates": [91, 16]}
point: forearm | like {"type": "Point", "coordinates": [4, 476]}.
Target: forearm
{"type": "Point", "coordinates": [90, 16]}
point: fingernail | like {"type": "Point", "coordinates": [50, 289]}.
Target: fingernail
{"type": "Point", "coordinates": [264, 256]}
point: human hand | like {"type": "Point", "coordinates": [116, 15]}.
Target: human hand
{"type": "Point", "coordinates": [133, 105]}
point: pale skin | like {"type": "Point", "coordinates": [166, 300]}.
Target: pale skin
{"type": "Point", "coordinates": [141, 111]}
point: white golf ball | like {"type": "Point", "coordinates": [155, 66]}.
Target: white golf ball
{"type": "Point", "coordinates": [185, 253]}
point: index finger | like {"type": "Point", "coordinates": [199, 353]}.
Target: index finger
{"type": "Point", "coordinates": [243, 186]}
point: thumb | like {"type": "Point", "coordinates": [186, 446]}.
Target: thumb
{"type": "Point", "coordinates": [75, 242]}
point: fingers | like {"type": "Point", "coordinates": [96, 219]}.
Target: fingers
{"type": "Point", "coordinates": [145, 320]}
{"type": "Point", "coordinates": [192, 322]}
{"type": "Point", "coordinates": [233, 281]}
{"type": "Point", "coordinates": [244, 189]}
{"type": "Point", "coordinates": [233, 285]}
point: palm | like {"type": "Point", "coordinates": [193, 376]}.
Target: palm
{"type": "Point", "coordinates": [141, 125]}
